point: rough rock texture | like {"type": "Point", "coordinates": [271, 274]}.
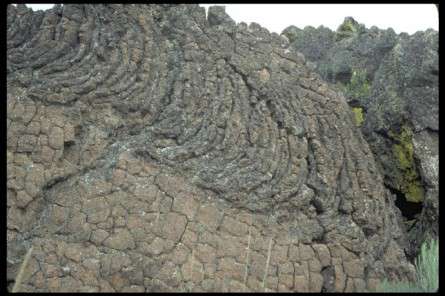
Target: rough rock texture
{"type": "Point", "coordinates": [391, 83]}
{"type": "Point", "coordinates": [152, 149]}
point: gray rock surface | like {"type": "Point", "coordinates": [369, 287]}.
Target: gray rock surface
{"type": "Point", "coordinates": [152, 149]}
{"type": "Point", "coordinates": [392, 82]}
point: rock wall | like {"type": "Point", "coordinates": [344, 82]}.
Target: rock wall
{"type": "Point", "coordinates": [153, 149]}
{"type": "Point", "coordinates": [391, 83]}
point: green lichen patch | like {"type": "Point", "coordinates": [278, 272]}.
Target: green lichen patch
{"type": "Point", "coordinates": [347, 29]}
{"type": "Point", "coordinates": [404, 154]}
{"type": "Point", "coordinates": [347, 26]}
{"type": "Point", "coordinates": [414, 192]}
{"type": "Point", "coordinates": [356, 90]}
{"type": "Point", "coordinates": [358, 115]}
{"type": "Point", "coordinates": [408, 181]}
{"type": "Point", "coordinates": [359, 87]}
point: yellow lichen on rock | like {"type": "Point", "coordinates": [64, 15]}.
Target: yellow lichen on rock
{"type": "Point", "coordinates": [403, 152]}
{"type": "Point", "coordinates": [358, 115]}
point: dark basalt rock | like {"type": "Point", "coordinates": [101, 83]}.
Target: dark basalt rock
{"type": "Point", "coordinates": [397, 97]}
{"type": "Point", "coordinates": [152, 149]}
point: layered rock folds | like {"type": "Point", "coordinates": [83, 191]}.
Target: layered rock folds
{"type": "Point", "coordinates": [153, 149]}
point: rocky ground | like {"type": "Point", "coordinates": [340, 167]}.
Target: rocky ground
{"type": "Point", "coordinates": [152, 148]}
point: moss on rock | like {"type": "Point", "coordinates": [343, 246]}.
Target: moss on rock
{"type": "Point", "coordinates": [347, 29]}
{"type": "Point", "coordinates": [358, 87]}
{"type": "Point", "coordinates": [403, 150]}
{"type": "Point", "coordinates": [358, 115]}
{"type": "Point", "coordinates": [347, 26]}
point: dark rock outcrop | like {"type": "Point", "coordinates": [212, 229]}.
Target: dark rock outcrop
{"type": "Point", "coordinates": [391, 83]}
{"type": "Point", "coordinates": [152, 149]}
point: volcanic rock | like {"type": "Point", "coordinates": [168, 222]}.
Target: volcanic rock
{"type": "Point", "coordinates": [391, 83]}
{"type": "Point", "coordinates": [153, 149]}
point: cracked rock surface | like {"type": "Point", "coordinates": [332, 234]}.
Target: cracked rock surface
{"type": "Point", "coordinates": [153, 149]}
{"type": "Point", "coordinates": [399, 100]}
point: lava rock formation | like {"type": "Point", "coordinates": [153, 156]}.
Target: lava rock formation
{"type": "Point", "coordinates": [391, 83]}
{"type": "Point", "coordinates": [152, 148]}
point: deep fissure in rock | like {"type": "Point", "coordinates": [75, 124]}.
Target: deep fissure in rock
{"type": "Point", "coordinates": [328, 274]}
{"type": "Point", "coordinates": [409, 210]}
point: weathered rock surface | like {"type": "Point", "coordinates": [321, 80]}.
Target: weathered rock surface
{"type": "Point", "coordinates": [391, 82]}
{"type": "Point", "coordinates": [152, 149]}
